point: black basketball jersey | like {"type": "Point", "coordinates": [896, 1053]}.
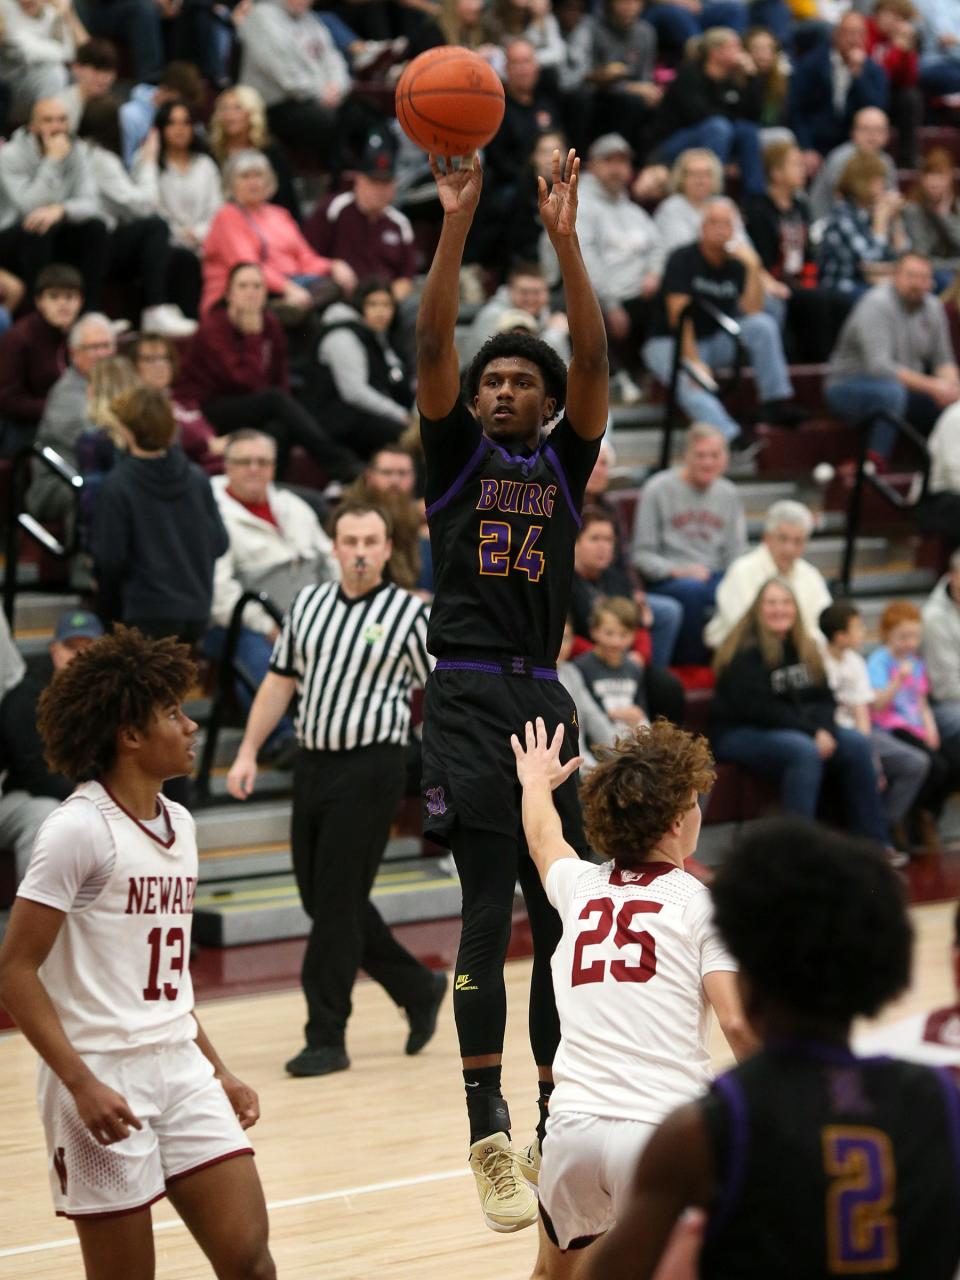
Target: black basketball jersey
{"type": "Point", "coordinates": [503, 523]}
{"type": "Point", "coordinates": [833, 1165]}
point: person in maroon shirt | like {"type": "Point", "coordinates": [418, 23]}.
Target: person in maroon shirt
{"type": "Point", "coordinates": [892, 40]}
{"type": "Point", "coordinates": [33, 354]}
{"type": "Point", "coordinates": [235, 370]}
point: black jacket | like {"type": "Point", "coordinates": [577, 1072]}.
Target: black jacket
{"type": "Point", "coordinates": [694, 97]}
{"type": "Point", "coordinates": [156, 534]}
{"type": "Point", "coordinates": [21, 750]}
{"type": "Point", "coordinates": [790, 696]}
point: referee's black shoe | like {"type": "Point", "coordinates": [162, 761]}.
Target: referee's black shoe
{"type": "Point", "coordinates": [320, 1061]}
{"type": "Point", "coordinates": [423, 1017]}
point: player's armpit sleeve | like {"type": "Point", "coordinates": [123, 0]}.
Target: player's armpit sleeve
{"type": "Point", "coordinates": [449, 445]}
{"type": "Point", "coordinates": [577, 458]}
{"type": "Point", "coordinates": [562, 877]}
{"type": "Point", "coordinates": [714, 956]}
{"type": "Point", "coordinates": [65, 858]}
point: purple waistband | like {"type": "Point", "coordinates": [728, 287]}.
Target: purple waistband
{"type": "Point", "coordinates": [506, 667]}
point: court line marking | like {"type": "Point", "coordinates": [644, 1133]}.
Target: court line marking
{"type": "Point", "coordinates": [343, 1193]}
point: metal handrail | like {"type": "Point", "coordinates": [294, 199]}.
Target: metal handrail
{"type": "Point", "coordinates": [19, 520]}
{"type": "Point", "coordinates": [227, 673]}
{"type": "Point", "coordinates": [730, 326]}
{"type": "Point", "coordinates": [863, 477]}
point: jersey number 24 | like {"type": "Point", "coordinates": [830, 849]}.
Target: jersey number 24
{"type": "Point", "coordinates": [495, 539]}
{"type": "Point", "coordinates": [641, 970]}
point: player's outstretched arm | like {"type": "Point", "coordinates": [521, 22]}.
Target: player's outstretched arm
{"type": "Point", "coordinates": [438, 366]}
{"type": "Point", "coordinates": [588, 379]}
{"type": "Point", "coordinates": [243, 1099]}
{"type": "Point", "coordinates": [31, 933]}
{"type": "Point", "coordinates": [540, 773]}
{"type": "Point", "coordinates": [721, 990]}
{"type": "Point", "coordinates": [270, 704]}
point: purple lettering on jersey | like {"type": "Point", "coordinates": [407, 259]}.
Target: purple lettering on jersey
{"type": "Point", "coordinates": [532, 500]}
{"type": "Point", "coordinates": [488, 495]}
{"type": "Point", "coordinates": [517, 498]}
{"type": "Point", "coordinates": [510, 496]}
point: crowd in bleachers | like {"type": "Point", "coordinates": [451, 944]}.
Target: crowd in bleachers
{"type": "Point", "coordinates": [766, 184]}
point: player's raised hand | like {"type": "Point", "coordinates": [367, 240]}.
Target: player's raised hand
{"type": "Point", "coordinates": [458, 188]}
{"type": "Point", "coordinates": [243, 1099]}
{"type": "Point", "coordinates": [538, 760]}
{"type": "Point", "coordinates": [104, 1111]}
{"type": "Point", "coordinates": [558, 206]}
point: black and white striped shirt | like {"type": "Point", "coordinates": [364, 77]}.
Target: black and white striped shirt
{"type": "Point", "coordinates": [355, 663]}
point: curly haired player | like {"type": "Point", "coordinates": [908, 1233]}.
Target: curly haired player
{"type": "Point", "coordinates": [637, 967]}
{"type": "Point", "coordinates": [135, 1102]}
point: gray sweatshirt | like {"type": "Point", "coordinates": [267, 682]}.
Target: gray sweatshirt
{"type": "Point", "coordinates": [63, 423]}
{"type": "Point", "coordinates": [28, 179]}
{"type": "Point", "coordinates": [344, 355]}
{"type": "Point", "coordinates": [880, 335]}
{"type": "Point", "coordinates": [678, 524]}
{"type": "Point", "coordinates": [596, 728]}
{"type": "Point", "coordinates": [289, 57]}
{"type": "Point", "coordinates": [941, 643]}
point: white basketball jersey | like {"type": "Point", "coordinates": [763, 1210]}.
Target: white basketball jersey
{"type": "Point", "coordinates": [119, 971]}
{"type": "Point", "coordinates": [932, 1039]}
{"type": "Point", "coordinates": [628, 974]}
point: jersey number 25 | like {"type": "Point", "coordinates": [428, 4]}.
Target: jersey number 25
{"type": "Point", "coordinates": [620, 970]}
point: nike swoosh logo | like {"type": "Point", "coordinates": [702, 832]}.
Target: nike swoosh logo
{"type": "Point", "coordinates": [473, 1086]}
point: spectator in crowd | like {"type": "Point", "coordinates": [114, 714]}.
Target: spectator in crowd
{"type": "Point", "coordinates": [690, 528]}
{"type": "Point", "coordinates": [461, 22]}
{"type": "Point", "coordinates": [940, 47]}
{"type": "Point", "coordinates": [276, 545]}
{"type": "Point", "coordinates": [133, 25]}
{"type": "Point", "coordinates": [869, 136]}
{"type": "Point", "coordinates": [189, 195]}
{"type": "Point", "coordinates": [772, 69]}
{"type": "Point", "coordinates": [96, 448]}
{"type": "Point", "coordinates": [938, 510]}
{"type": "Point", "coordinates": [157, 362]}
{"type": "Point", "coordinates": [30, 791]}
{"type": "Point", "coordinates": [48, 202]}
{"type": "Point", "coordinates": [33, 353]}
{"type": "Point", "coordinates": [235, 371]}
{"type": "Point", "coordinates": [39, 41]}
{"type": "Point", "coordinates": [941, 652]}
{"type": "Point", "coordinates": [787, 527]}
{"type": "Point", "coordinates": [239, 123]}
{"type": "Point", "coordinates": [180, 82]}
{"type": "Point", "coordinates": [596, 728]}
{"type": "Point", "coordinates": [251, 229]}
{"type": "Point", "coordinates": [523, 226]}
{"type": "Point", "coordinates": [157, 532]}
{"type": "Point", "coordinates": [628, 691]}
{"type": "Point", "coordinates": [677, 23]}
{"type": "Point", "coordinates": [94, 73]}
{"type": "Point", "coordinates": [139, 243]}
{"type": "Point", "coordinates": [931, 216]}
{"type": "Point", "coordinates": [894, 355]}
{"type": "Point", "coordinates": [695, 178]}
{"type": "Point", "coordinates": [66, 413]}
{"type": "Point", "coordinates": [389, 482]}
{"type": "Point", "coordinates": [729, 281]}
{"type": "Point", "coordinates": [525, 290]}
{"type": "Point", "coordinates": [713, 103]}
{"type": "Point", "coordinates": [829, 85]}
{"type": "Point", "coordinates": [622, 54]}
{"type": "Point", "coordinates": [892, 40]}
{"type": "Point", "coordinates": [773, 714]}
{"type": "Point", "coordinates": [904, 767]}
{"type": "Point", "coordinates": [864, 233]}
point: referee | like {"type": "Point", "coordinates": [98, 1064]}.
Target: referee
{"type": "Point", "coordinates": [352, 652]}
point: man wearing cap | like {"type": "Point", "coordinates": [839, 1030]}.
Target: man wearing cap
{"type": "Point", "coordinates": [30, 791]}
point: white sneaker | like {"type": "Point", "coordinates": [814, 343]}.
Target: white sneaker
{"type": "Point", "coordinates": [506, 1199]}
{"type": "Point", "coordinates": [625, 387]}
{"type": "Point", "coordinates": [168, 320]}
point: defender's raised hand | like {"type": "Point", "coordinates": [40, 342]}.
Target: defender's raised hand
{"type": "Point", "coordinates": [558, 207]}
{"type": "Point", "coordinates": [458, 188]}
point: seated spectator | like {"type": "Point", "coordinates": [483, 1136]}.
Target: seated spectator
{"type": "Point", "coordinates": [180, 82]}
{"type": "Point", "coordinates": [389, 481]}
{"type": "Point", "coordinates": [139, 243]}
{"type": "Point", "coordinates": [829, 85]}
{"type": "Point", "coordinates": [251, 229]}
{"type": "Point", "coordinates": [525, 290]}
{"type": "Point", "coordinates": [462, 23]}
{"type": "Point", "coordinates": [904, 767]}
{"type": "Point", "coordinates": [94, 71]}
{"type": "Point", "coordinates": [239, 123]}
{"type": "Point", "coordinates": [695, 178]}
{"type": "Point", "coordinates": [676, 23]}
{"type": "Point", "coordinates": [48, 202]}
{"type": "Point", "coordinates": [596, 728]}
{"type": "Point", "coordinates": [892, 40]}
{"type": "Point", "coordinates": [134, 25]}
{"type": "Point", "coordinates": [712, 104]}
{"type": "Point", "coordinates": [157, 532]}
{"type": "Point", "coordinates": [97, 448]}
{"type": "Point", "coordinates": [157, 363]}
{"type": "Point", "coordinates": [189, 197]}
{"type": "Point", "coordinates": [864, 233]}
{"type": "Point", "coordinates": [931, 217]}
{"type": "Point", "coordinates": [773, 714]}
{"type": "Point", "coordinates": [787, 527]}
{"type": "Point", "coordinates": [941, 652]}
{"type": "Point", "coordinates": [772, 69]}
{"type": "Point", "coordinates": [33, 354]}
{"type": "Point", "coordinates": [938, 511]}
{"type": "Point", "coordinates": [894, 355]}
{"type": "Point", "coordinates": [940, 45]}
{"type": "Point", "coordinates": [869, 136]}
{"type": "Point", "coordinates": [690, 528]}
{"type": "Point", "coordinates": [596, 576]}
{"type": "Point", "coordinates": [728, 280]}
{"type": "Point", "coordinates": [39, 40]}
{"type": "Point", "coordinates": [524, 228]}
{"type": "Point", "coordinates": [30, 791]}
{"type": "Point", "coordinates": [235, 371]}
{"type": "Point", "coordinates": [622, 54]}
{"type": "Point", "coordinates": [627, 691]}
{"type": "Point", "coordinates": [275, 545]}
{"type": "Point", "coordinates": [901, 707]}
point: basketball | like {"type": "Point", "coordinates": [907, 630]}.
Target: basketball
{"type": "Point", "coordinates": [449, 101]}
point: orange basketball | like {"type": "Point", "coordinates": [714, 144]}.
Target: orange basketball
{"type": "Point", "coordinates": [449, 101]}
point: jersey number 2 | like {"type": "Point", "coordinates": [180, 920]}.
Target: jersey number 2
{"type": "Point", "coordinates": [495, 538]}
{"type": "Point", "coordinates": [861, 1228]}
{"type": "Point", "coordinates": [620, 970]}
{"type": "Point", "coordinates": [175, 944]}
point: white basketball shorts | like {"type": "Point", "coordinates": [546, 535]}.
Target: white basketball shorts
{"type": "Point", "coordinates": [587, 1168]}
{"type": "Point", "coordinates": [187, 1120]}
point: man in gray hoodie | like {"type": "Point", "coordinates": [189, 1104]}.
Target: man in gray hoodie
{"type": "Point", "coordinates": [941, 650]}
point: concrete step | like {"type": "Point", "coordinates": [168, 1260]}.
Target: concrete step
{"type": "Point", "coordinates": [232, 825]}
{"type": "Point", "coordinates": [827, 553]}
{"type": "Point", "coordinates": [893, 582]}
{"type": "Point", "coordinates": [238, 862]}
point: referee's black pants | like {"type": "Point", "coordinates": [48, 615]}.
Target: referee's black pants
{"type": "Point", "coordinates": [344, 803]}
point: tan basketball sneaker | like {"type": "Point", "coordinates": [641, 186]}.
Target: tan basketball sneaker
{"type": "Point", "coordinates": [506, 1200]}
{"type": "Point", "coordinates": [529, 1161]}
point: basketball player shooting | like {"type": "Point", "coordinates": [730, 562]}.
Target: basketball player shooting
{"type": "Point", "coordinates": [503, 503]}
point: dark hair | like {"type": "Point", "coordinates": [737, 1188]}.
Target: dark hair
{"type": "Point", "coordinates": [526, 347]}
{"type": "Point", "coordinates": [360, 509]}
{"type": "Point", "coordinates": [525, 269]}
{"type": "Point", "coordinates": [837, 617]}
{"type": "Point", "coordinates": [99, 54]}
{"type": "Point", "coordinates": [164, 112]}
{"type": "Point", "coordinates": [118, 682]}
{"type": "Point", "coordinates": [816, 919]}
{"type": "Point", "coordinates": [58, 275]}
{"type": "Point", "coordinates": [394, 447]}
{"type": "Point", "coordinates": [640, 787]}
{"type": "Point", "coordinates": [232, 275]}
{"type": "Point", "coordinates": [595, 515]}
{"type": "Point", "coordinates": [100, 123]}
{"type": "Point", "coordinates": [147, 415]}
{"type": "Point", "coordinates": [185, 80]}
{"type": "Point", "coordinates": [158, 340]}
{"type": "Point", "coordinates": [372, 284]}
{"type": "Point", "coordinates": [622, 610]}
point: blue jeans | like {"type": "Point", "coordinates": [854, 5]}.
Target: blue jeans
{"type": "Point", "coordinates": [729, 140]}
{"type": "Point", "coordinates": [667, 620]}
{"type": "Point", "coordinates": [791, 757]}
{"type": "Point", "coordinates": [134, 24]}
{"type": "Point", "coordinates": [939, 75]}
{"type": "Point", "coordinates": [253, 654]}
{"type": "Point", "coordinates": [856, 397]}
{"type": "Point", "coordinates": [760, 336]}
{"type": "Point", "coordinates": [674, 26]}
{"type": "Point", "coordinates": [696, 599]}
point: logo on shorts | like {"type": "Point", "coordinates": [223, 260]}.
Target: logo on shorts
{"type": "Point", "coordinates": [372, 633]}
{"type": "Point", "coordinates": [463, 983]}
{"type": "Point", "coordinates": [60, 1168]}
{"type": "Point", "coordinates": [436, 802]}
